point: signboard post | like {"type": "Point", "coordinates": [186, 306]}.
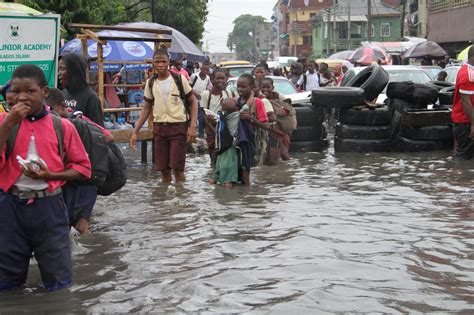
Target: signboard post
{"type": "Point", "coordinates": [29, 39]}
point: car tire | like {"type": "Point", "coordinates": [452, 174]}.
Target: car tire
{"type": "Point", "coordinates": [446, 96]}
{"type": "Point", "coordinates": [352, 145]}
{"type": "Point", "coordinates": [403, 144]}
{"type": "Point", "coordinates": [307, 133]}
{"type": "Point", "coordinates": [363, 132]}
{"type": "Point", "coordinates": [309, 146]}
{"type": "Point", "coordinates": [401, 90]}
{"type": "Point", "coordinates": [439, 85]}
{"type": "Point", "coordinates": [337, 97]}
{"type": "Point", "coordinates": [372, 80]}
{"type": "Point", "coordinates": [430, 133]}
{"type": "Point", "coordinates": [400, 105]}
{"type": "Point", "coordinates": [309, 116]}
{"type": "Point", "coordinates": [424, 94]}
{"type": "Point", "coordinates": [378, 116]}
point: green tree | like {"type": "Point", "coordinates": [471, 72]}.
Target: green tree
{"type": "Point", "coordinates": [242, 37]}
{"type": "Point", "coordinates": [84, 11]}
{"type": "Point", "coordinates": [187, 16]}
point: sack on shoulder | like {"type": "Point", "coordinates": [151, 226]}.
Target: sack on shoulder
{"type": "Point", "coordinates": [287, 123]}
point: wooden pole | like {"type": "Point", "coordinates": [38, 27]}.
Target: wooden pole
{"type": "Point", "coordinates": [349, 36]}
{"type": "Point", "coordinates": [334, 13]}
{"type": "Point", "coordinates": [369, 22]}
{"type": "Point", "coordinates": [86, 55]}
{"type": "Point", "coordinates": [100, 78]}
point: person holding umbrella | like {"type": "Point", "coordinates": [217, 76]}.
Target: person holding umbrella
{"type": "Point", "coordinates": [463, 112]}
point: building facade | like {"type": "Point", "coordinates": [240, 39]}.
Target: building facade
{"type": "Point", "coordinates": [451, 23]}
{"type": "Point", "coordinates": [345, 26]}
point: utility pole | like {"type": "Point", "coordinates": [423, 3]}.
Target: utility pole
{"type": "Point", "coordinates": [369, 22]}
{"type": "Point", "coordinates": [402, 22]}
{"type": "Point", "coordinates": [334, 43]}
{"type": "Point", "coordinates": [153, 13]}
{"type": "Point", "coordinates": [349, 37]}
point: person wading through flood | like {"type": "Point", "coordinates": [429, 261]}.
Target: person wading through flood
{"type": "Point", "coordinates": [172, 126]}
{"type": "Point", "coordinates": [34, 165]}
{"type": "Point", "coordinates": [79, 95]}
{"type": "Point", "coordinates": [211, 101]}
{"type": "Point", "coordinates": [252, 122]}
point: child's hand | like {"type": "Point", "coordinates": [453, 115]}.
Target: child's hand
{"type": "Point", "coordinates": [39, 172]}
{"type": "Point", "coordinates": [133, 141]}
{"type": "Point", "coordinates": [82, 226]}
{"type": "Point", "coordinates": [246, 116]}
{"type": "Point", "coordinates": [17, 113]}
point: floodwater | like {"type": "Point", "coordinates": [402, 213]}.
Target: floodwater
{"type": "Point", "coordinates": [322, 233]}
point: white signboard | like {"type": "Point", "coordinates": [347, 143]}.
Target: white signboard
{"type": "Point", "coordinates": [29, 39]}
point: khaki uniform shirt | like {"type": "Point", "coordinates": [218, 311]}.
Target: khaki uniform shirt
{"type": "Point", "coordinates": [173, 110]}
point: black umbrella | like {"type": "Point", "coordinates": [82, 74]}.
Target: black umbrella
{"type": "Point", "coordinates": [426, 49]}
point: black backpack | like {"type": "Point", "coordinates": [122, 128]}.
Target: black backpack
{"type": "Point", "coordinates": [108, 167]}
{"type": "Point", "coordinates": [224, 140]}
{"type": "Point", "coordinates": [178, 80]}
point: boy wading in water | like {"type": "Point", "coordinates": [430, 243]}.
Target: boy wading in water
{"type": "Point", "coordinates": [211, 100]}
{"type": "Point", "coordinates": [253, 120]}
{"type": "Point", "coordinates": [171, 126]}
{"type": "Point", "coordinates": [33, 216]}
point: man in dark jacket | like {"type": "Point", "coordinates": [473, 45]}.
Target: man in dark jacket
{"type": "Point", "coordinates": [79, 96]}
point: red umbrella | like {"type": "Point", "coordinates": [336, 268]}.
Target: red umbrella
{"type": "Point", "coordinates": [368, 55]}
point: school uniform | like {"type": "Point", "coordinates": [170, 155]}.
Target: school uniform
{"type": "Point", "coordinates": [33, 215]}
{"type": "Point", "coordinates": [169, 123]}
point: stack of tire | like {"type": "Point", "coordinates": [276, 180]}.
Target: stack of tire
{"type": "Point", "coordinates": [310, 135]}
{"type": "Point", "coordinates": [359, 128]}
{"type": "Point", "coordinates": [416, 127]}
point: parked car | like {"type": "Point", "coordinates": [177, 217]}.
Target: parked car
{"type": "Point", "coordinates": [282, 86]}
{"type": "Point", "coordinates": [452, 72]}
{"type": "Point", "coordinates": [432, 71]}
{"type": "Point", "coordinates": [396, 74]}
{"type": "Point", "coordinates": [238, 70]}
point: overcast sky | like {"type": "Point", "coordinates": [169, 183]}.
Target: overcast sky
{"type": "Point", "coordinates": [223, 12]}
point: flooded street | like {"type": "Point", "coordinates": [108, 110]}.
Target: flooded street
{"type": "Point", "coordinates": [321, 234]}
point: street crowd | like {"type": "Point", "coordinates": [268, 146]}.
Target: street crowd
{"type": "Point", "coordinates": [44, 188]}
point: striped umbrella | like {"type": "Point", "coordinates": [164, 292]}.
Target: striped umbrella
{"type": "Point", "coordinates": [7, 7]}
{"type": "Point", "coordinates": [463, 54]}
{"type": "Point", "coordinates": [368, 55]}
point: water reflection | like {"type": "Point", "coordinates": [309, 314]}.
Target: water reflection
{"type": "Point", "coordinates": [322, 233]}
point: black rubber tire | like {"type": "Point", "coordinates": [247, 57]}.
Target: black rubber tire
{"type": "Point", "coordinates": [403, 144]}
{"type": "Point", "coordinates": [308, 116]}
{"type": "Point", "coordinates": [424, 94]}
{"type": "Point", "coordinates": [446, 96]}
{"type": "Point", "coordinates": [372, 80]}
{"type": "Point", "coordinates": [401, 90]}
{"type": "Point", "coordinates": [379, 116]}
{"type": "Point", "coordinates": [351, 145]}
{"type": "Point", "coordinates": [307, 133]}
{"type": "Point", "coordinates": [439, 85]}
{"type": "Point", "coordinates": [430, 133]}
{"type": "Point", "coordinates": [309, 146]}
{"type": "Point", "coordinates": [363, 132]}
{"type": "Point", "coordinates": [400, 105]}
{"type": "Point", "coordinates": [337, 97]}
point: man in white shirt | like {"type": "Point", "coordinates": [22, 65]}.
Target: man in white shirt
{"type": "Point", "coordinates": [201, 81]}
{"type": "Point", "coordinates": [309, 80]}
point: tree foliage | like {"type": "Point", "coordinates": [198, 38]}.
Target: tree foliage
{"type": "Point", "coordinates": [187, 16]}
{"type": "Point", "coordinates": [84, 11]}
{"type": "Point", "coordinates": [242, 37]}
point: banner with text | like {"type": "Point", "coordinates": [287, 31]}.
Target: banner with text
{"type": "Point", "coordinates": [29, 39]}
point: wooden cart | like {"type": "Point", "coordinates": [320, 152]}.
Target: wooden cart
{"type": "Point", "coordinates": [87, 32]}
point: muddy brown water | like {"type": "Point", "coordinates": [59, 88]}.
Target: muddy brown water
{"type": "Point", "coordinates": [322, 233]}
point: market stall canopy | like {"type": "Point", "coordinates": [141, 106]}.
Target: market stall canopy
{"type": "Point", "coordinates": [345, 54]}
{"type": "Point", "coordinates": [115, 50]}
{"type": "Point", "coordinates": [180, 44]}
{"type": "Point", "coordinates": [463, 54]}
{"type": "Point", "coordinates": [7, 7]}
{"type": "Point", "coordinates": [426, 49]}
{"type": "Point", "coordinates": [368, 55]}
